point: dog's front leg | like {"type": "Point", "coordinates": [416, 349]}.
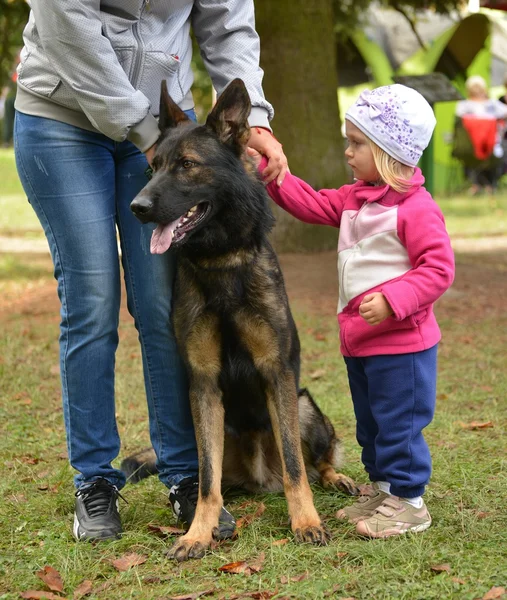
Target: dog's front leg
{"type": "Point", "coordinates": [204, 363]}
{"type": "Point", "coordinates": [208, 415]}
{"type": "Point", "coordinates": [283, 410]}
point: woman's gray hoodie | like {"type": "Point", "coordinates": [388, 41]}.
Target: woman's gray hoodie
{"type": "Point", "coordinates": [98, 64]}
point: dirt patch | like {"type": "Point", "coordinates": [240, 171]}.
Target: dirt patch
{"type": "Point", "coordinates": [311, 281]}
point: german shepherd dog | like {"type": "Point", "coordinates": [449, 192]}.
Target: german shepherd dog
{"type": "Point", "coordinates": [233, 324]}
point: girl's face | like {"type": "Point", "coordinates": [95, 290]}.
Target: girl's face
{"type": "Point", "coordinates": [359, 155]}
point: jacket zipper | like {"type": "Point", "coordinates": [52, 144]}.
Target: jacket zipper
{"type": "Point", "coordinates": [139, 53]}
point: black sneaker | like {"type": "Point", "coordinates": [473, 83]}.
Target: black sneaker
{"type": "Point", "coordinates": [183, 498]}
{"type": "Point", "coordinates": [96, 516]}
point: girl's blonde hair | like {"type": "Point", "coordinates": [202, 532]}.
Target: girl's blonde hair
{"type": "Point", "coordinates": [391, 171]}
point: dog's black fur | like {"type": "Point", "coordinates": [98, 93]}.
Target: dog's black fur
{"type": "Point", "coordinates": [234, 327]}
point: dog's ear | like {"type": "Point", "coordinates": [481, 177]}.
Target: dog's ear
{"type": "Point", "coordinates": [229, 117]}
{"type": "Point", "coordinates": [170, 113]}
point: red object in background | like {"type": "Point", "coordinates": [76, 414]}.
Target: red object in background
{"type": "Point", "coordinates": [482, 133]}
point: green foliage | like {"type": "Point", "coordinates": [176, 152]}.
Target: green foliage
{"type": "Point", "coordinates": [13, 17]}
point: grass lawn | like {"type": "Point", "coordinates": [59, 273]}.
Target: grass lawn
{"type": "Point", "coordinates": [462, 556]}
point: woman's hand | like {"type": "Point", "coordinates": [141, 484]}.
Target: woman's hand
{"type": "Point", "coordinates": [374, 308]}
{"type": "Point", "coordinates": [265, 143]}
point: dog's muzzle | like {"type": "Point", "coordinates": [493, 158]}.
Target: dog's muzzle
{"type": "Point", "coordinates": [142, 206]}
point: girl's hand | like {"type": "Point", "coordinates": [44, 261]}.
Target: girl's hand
{"type": "Point", "coordinates": [265, 143]}
{"type": "Point", "coordinates": [255, 156]}
{"type": "Point", "coordinates": [374, 308]}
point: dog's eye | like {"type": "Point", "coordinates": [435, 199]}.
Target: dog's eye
{"type": "Point", "coordinates": [188, 164]}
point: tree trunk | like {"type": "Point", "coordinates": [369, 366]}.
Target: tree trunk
{"type": "Point", "coordinates": [298, 56]}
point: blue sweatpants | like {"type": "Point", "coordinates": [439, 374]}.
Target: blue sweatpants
{"type": "Point", "coordinates": [394, 400]}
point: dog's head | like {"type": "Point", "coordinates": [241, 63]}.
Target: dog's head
{"type": "Point", "coordinates": [205, 193]}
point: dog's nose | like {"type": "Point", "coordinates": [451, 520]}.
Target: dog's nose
{"type": "Point", "coordinates": [141, 204]}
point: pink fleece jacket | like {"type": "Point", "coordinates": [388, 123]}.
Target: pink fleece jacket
{"type": "Point", "coordinates": [389, 242]}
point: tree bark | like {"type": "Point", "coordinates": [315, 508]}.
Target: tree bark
{"type": "Point", "coordinates": [298, 55]}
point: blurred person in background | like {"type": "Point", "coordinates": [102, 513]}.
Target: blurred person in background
{"type": "Point", "coordinates": [483, 119]}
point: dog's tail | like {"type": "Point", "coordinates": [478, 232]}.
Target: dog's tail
{"type": "Point", "coordinates": [140, 465]}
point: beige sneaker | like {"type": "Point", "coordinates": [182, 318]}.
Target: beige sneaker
{"type": "Point", "coordinates": [370, 498]}
{"type": "Point", "coordinates": [393, 517]}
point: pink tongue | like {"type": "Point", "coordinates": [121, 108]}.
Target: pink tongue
{"type": "Point", "coordinates": [162, 237]}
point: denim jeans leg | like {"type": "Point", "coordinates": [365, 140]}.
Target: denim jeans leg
{"type": "Point", "coordinates": [69, 178]}
{"type": "Point", "coordinates": [149, 281]}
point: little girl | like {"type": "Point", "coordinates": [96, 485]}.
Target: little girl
{"type": "Point", "coordinates": [394, 261]}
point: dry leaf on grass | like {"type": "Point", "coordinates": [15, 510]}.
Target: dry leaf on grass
{"type": "Point", "coordinates": [40, 595]}
{"type": "Point", "coordinates": [474, 425]}
{"type": "Point", "coordinates": [281, 542]}
{"type": "Point", "coordinates": [193, 596]}
{"type": "Point", "coordinates": [243, 566]}
{"type": "Point", "coordinates": [318, 374]}
{"type": "Point", "coordinates": [284, 579]}
{"type": "Point", "coordinates": [493, 593]}
{"type": "Point", "coordinates": [441, 568]}
{"type": "Point", "coordinates": [83, 589]}
{"type": "Point", "coordinates": [127, 561]}
{"type": "Point", "coordinates": [51, 578]}
{"type": "Point", "coordinates": [164, 531]}
{"type": "Point", "coordinates": [247, 519]}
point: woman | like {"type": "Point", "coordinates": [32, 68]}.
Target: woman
{"type": "Point", "coordinates": [86, 130]}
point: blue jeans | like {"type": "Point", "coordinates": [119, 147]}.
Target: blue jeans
{"type": "Point", "coordinates": [80, 184]}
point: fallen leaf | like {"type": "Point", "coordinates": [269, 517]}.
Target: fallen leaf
{"type": "Point", "coordinates": [318, 374]}
{"type": "Point", "coordinates": [240, 566]}
{"type": "Point", "coordinates": [193, 596]}
{"type": "Point", "coordinates": [281, 542]}
{"type": "Point", "coordinates": [341, 555]}
{"type": "Point", "coordinates": [29, 460]}
{"type": "Point", "coordinates": [127, 561]}
{"type": "Point", "coordinates": [83, 589]}
{"type": "Point", "coordinates": [441, 568]}
{"type": "Point", "coordinates": [320, 337]}
{"type": "Point", "coordinates": [483, 515]}
{"type": "Point", "coordinates": [458, 580]}
{"type": "Point", "coordinates": [494, 592]}
{"type": "Point", "coordinates": [476, 425]}
{"type": "Point", "coordinates": [51, 578]}
{"type": "Point", "coordinates": [243, 566]}
{"type": "Point", "coordinates": [38, 595]}
{"type": "Point", "coordinates": [242, 521]}
{"type": "Point", "coordinates": [164, 531]}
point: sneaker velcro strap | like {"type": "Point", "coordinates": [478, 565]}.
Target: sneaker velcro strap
{"type": "Point", "coordinates": [389, 507]}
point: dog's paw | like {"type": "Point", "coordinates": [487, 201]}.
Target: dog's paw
{"type": "Point", "coordinates": [344, 483]}
{"type": "Point", "coordinates": [185, 549]}
{"type": "Point", "coordinates": [319, 536]}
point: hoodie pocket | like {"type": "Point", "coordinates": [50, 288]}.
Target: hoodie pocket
{"type": "Point", "coordinates": [157, 67]}
{"type": "Point", "coordinates": [37, 75]}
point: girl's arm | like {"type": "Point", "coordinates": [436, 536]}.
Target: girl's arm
{"type": "Point", "coordinates": [421, 229]}
{"type": "Point", "coordinates": [303, 202]}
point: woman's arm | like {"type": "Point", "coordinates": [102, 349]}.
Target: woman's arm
{"type": "Point", "coordinates": [71, 36]}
